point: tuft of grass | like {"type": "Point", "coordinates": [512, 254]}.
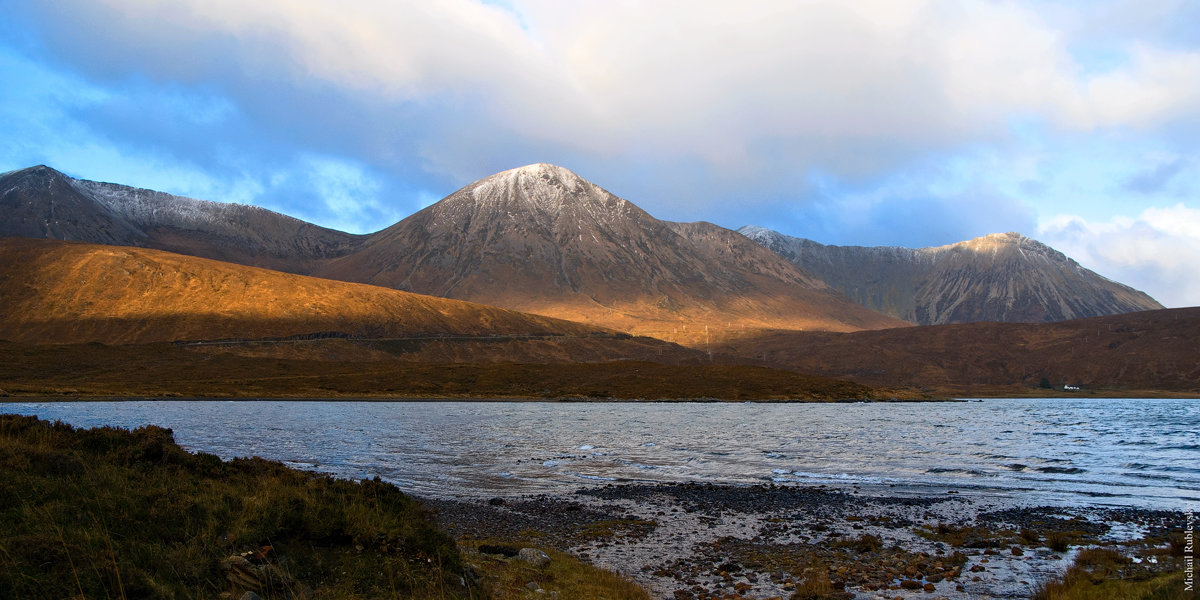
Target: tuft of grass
{"type": "Point", "coordinates": [1029, 537]}
{"type": "Point", "coordinates": [612, 528]}
{"type": "Point", "coordinates": [815, 585]}
{"type": "Point", "coordinates": [864, 543]}
{"type": "Point", "coordinates": [965, 536]}
{"type": "Point", "coordinates": [1058, 541]}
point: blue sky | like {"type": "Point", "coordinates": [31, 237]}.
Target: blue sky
{"type": "Point", "coordinates": [889, 122]}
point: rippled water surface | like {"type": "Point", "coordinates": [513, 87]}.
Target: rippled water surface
{"type": "Point", "coordinates": [1072, 451]}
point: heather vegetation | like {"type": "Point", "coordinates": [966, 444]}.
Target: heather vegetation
{"type": "Point", "coordinates": [109, 513]}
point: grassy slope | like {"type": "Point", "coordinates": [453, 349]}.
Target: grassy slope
{"type": "Point", "coordinates": [109, 513]}
{"type": "Point", "coordinates": [60, 292]}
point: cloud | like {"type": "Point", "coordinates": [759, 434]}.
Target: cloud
{"type": "Point", "coordinates": [1157, 252]}
{"type": "Point", "coordinates": [340, 194]}
{"type": "Point", "coordinates": [851, 87]}
{"type": "Point", "coordinates": [1158, 177]}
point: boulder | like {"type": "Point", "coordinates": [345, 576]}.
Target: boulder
{"type": "Point", "coordinates": [534, 557]}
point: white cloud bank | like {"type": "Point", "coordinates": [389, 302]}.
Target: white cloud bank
{"type": "Point", "coordinates": [1157, 252]}
{"type": "Point", "coordinates": [846, 87]}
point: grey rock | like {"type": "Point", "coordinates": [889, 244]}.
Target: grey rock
{"type": "Point", "coordinates": [534, 557]}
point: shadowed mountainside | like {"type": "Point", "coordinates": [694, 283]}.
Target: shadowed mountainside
{"type": "Point", "coordinates": [40, 202]}
{"type": "Point", "coordinates": [999, 277]}
{"type": "Point", "coordinates": [541, 239]}
{"type": "Point", "coordinates": [1149, 350]}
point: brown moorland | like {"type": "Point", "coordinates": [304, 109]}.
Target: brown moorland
{"type": "Point", "coordinates": [172, 370]}
{"type": "Point", "coordinates": [1135, 353]}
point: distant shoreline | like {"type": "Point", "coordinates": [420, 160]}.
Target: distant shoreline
{"type": "Point", "coordinates": [558, 400]}
{"type": "Point", "coordinates": [1126, 394]}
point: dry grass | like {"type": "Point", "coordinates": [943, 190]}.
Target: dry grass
{"type": "Point", "coordinates": [167, 370]}
{"type": "Point", "coordinates": [506, 578]}
{"type": "Point", "coordinates": [1105, 574]}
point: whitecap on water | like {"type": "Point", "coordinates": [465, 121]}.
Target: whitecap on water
{"type": "Point", "coordinates": [594, 477]}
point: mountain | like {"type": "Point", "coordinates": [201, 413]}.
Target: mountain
{"type": "Point", "coordinates": [40, 202]}
{"type": "Point", "coordinates": [70, 292]}
{"type": "Point", "coordinates": [998, 277]}
{"type": "Point", "coordinates": [1140, 352]}
{"type": "Point", "coordinates": [541, 239]}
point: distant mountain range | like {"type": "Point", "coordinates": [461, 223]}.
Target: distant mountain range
{"type": "Point", "coordinates": [540, 239]}
{"type": "Point", "coordinates": [1003, 277]}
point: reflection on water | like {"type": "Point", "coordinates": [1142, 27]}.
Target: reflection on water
{"type": "Point", "coordinates": [1121, 452]}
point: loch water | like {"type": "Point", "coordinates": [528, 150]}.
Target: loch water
{"type": "Point", "coordinates": [1066, 451]}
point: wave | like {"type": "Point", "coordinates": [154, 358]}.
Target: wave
{"type": "Point", "coordinates": [940, 470]}
{"type": "Point", "coordinates": [1061, 470]}
{"type": "Point", "coordinates": [594, 477]}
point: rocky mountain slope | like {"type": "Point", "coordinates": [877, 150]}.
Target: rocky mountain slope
{"type": "Point", "coordinates": [60, 292]}
{"type": "Point", "coordinates": [40, 202]}
{"type": "Point", "coordinates": [541, 239]}
{"type": "Point", "coordinates": [999, 277]}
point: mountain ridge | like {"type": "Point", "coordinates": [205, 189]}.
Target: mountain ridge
{"type": "Point", "coordinates": [541, 239]}
{"type": "Point", "coordinates": [1004, 277]}
{"type": "Point", "coordinates": [115, 214]}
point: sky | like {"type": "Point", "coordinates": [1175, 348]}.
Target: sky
{"type": "Point", "coordinates": [874, 122]}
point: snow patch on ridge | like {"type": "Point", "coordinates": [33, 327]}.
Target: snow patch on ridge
{"type": "Point", "coordinates": [148, 208]}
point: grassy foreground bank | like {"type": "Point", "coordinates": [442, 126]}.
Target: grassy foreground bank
{"type": "Point", "coordinates": [110, 513]}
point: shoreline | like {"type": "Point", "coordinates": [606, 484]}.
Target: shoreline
{"type": "Point", "coordinates": [703, 541]}
{"type": "Point", "coordinates": [530, 399]}
{"type": "Point", "coordinates": [71, 397]}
